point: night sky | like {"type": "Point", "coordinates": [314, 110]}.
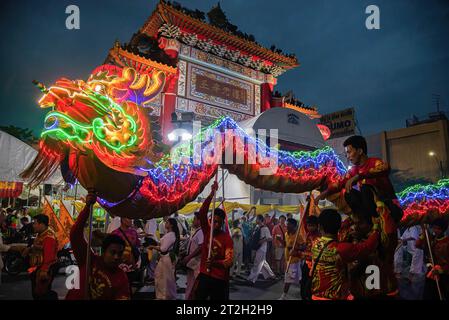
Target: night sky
{"type": "Point", "coordinates": [387, 74]}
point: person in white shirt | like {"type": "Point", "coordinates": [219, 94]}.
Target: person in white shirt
{"type": "Point", "coordinates": [237, 239]}
{"type": "Point", "coordinates": [5, 248]}
{"type": "Point", "coordinates": [114, 224]}
{"type": "Point", "coordinates": [164, 278]}
{"type": "Point", "coordinates": [182, 224]}
{"type": "Point", "coordinates": [161, 227]}
{"type": "Point", "coordinates": [260, 263]}
{"type": "Point", "coordinates": [415, 276]}
{"type": "Point", "coordinates": [151, 228]}
{"type": "Point", "coordinates": [193, 259]}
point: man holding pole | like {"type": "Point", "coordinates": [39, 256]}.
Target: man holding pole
{"type": "Point", "coordinates": [261, 237]}
{"type": "Point", "coordinates": [43, 258]}
{"type": "Point", "coordinates": [106, 281]}
{"type": "Point", "coordinates": [216, 254]}
{"type": "Point", "coordinates": [293, 255]}
{"type": "Point", "coordinates": [437, 282]}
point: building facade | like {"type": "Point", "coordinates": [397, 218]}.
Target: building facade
{"type": "Point", "coordinates": [417, 154]}
{"type": "Point", "coordinates": [212, 69]}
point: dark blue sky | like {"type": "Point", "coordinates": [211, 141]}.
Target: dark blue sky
{"type": "Point", "coordinates": [387, 74]}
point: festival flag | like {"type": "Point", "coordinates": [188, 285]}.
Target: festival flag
{"type": "Point", "coordinates": [314, 209]}
{"type": "Point", "coordinates": [65, 218]}
{"type": "Point", "coordinates": [10, 189]}
{"type": "Point", "coordinates": [55, 224]}
{"type": "Point", "coordinates": [302, 222]}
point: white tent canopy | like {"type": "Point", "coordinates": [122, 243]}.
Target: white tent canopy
{"type": "Point", "coordinates": [15, 157]}
{"type": "Point", "coordinates": [302, 130]}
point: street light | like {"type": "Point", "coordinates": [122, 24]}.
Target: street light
{"type": "Point", "coordinates": [179, 133]}
{"type": "Point", "coordinates": [432, 154]}
{"type": "Point", "coordinates": [183, 127]}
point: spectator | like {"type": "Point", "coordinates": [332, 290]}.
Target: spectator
{"type": "Point", "coordinates": [278, 235]}
{"type": "Point", "coordinates": [247, 230]}
{"type": "Point", "coordinates": [261, 236]}
{"type": "Point", "coordinates": [161, 227]}
{"type": "Point", "coordinates": [165, 281]}
{"type": "Point", "coordinates": [439, 243]}
{"type": "Point", "coordinates": [151, 228]}
{"type": "Point", "coordinates": [193, 259]}
{"type": "Point", "coordinates": [114, 224]}
{"type": "Point", "coordinates": [237, 238]}
{"type": "Point", "coordinates": [409, 264]}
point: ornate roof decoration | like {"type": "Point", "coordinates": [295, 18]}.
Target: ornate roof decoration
{"type": "Point", "coordinates": [207, 45]}
{"type": "Point", "coordinates": [122, 57]}
{"type": "Point", "coordinates": [191, 26]}
{"type": "Point", "coordinates": [311, 112]}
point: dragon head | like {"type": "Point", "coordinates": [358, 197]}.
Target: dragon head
{"type": "Point", "coordinates": [102, 119]}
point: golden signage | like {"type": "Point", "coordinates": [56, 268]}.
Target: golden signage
{"type": "Point", "coordinates": [221, 90]}
{"type": "Point", "coordinates": [340, 123]}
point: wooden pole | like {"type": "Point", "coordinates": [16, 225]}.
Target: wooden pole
{"type": "Point", "coordinates": [212, 223]}
{"type": "Point", "coordinates": [89, 244]}
{"type": "Point", "coordinates": [28, 197]}
{"type": "Point", "coordinates": [106, 222]}
{"type": "Point", "coordinates": [76, 189]}
{"type": "Point", "coordinates": [426, 234]}
{"type": "Point", "coordinates": [306, 212]}
{"type": "Point", "coordinates": [222, 183]}
{"type": "Point", "coordinates": [40, 197]}
{"type": "Point", "coordinates": [74, 200]}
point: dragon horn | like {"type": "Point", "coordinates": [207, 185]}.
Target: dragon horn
{"type": "Point", "coordinates": [40, 86]}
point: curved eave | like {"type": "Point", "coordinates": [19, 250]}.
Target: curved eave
{"type": "Point", "coordinates": [115, 53]}
{"type": "Point", "coordinates": [310, 112]}
{"type": "Point", "coordinates": [166, 14]}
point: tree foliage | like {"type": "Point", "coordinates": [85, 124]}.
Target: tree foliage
{"type": "Point", "coordinates": [24, 134]}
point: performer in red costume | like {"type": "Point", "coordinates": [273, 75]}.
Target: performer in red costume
{"type": "Point", "coordinates": [43, 256]}
{"type": "Point", "coordinates": [383, 256]}
{"type": "Point", "coordinates": [213, 281]}
{"type": "Point", "coordinates": [365, 171]}
{"type": "Point", "coordinates": [107, 281]}
{"type": "Point", "coordinates": [312, 234]}
{"type": "Point", "coordinates": [330, 257]}
{"type": "Point", "coordinates": [439, 243]}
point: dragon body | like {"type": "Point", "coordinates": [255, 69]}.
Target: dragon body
{"type": "Point", "coordinates": [99, 132]}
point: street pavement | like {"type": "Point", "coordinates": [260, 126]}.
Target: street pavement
{"type": "Point", "coordinates": [19, 288]}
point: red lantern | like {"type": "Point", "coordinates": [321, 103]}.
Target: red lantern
{"type": "Point", "coordinates": [325, 131]}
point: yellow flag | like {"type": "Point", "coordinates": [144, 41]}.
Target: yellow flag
{"type": "Point", "coordinates": [55, 225]}
{"type": "Point", "coordinates": [65, 218]}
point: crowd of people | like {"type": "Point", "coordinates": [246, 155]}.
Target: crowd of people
{"type": "Point", "coordinates": [326, 254]}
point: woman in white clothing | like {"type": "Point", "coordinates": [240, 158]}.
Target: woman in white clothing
{"type": "Point", "coordinates": [164, 275]}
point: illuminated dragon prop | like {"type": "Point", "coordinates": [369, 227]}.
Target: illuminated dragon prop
{"type": "Point", "coordinates": [99, 132]}
{"type": "Point", "coordinates": [424, 203]}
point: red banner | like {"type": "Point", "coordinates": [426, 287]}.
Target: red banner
{"type": "Point", "coordinates": [10, 189]}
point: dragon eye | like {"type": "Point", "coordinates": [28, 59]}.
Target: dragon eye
{"type": "Point", "coordinates": [98, 88]}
